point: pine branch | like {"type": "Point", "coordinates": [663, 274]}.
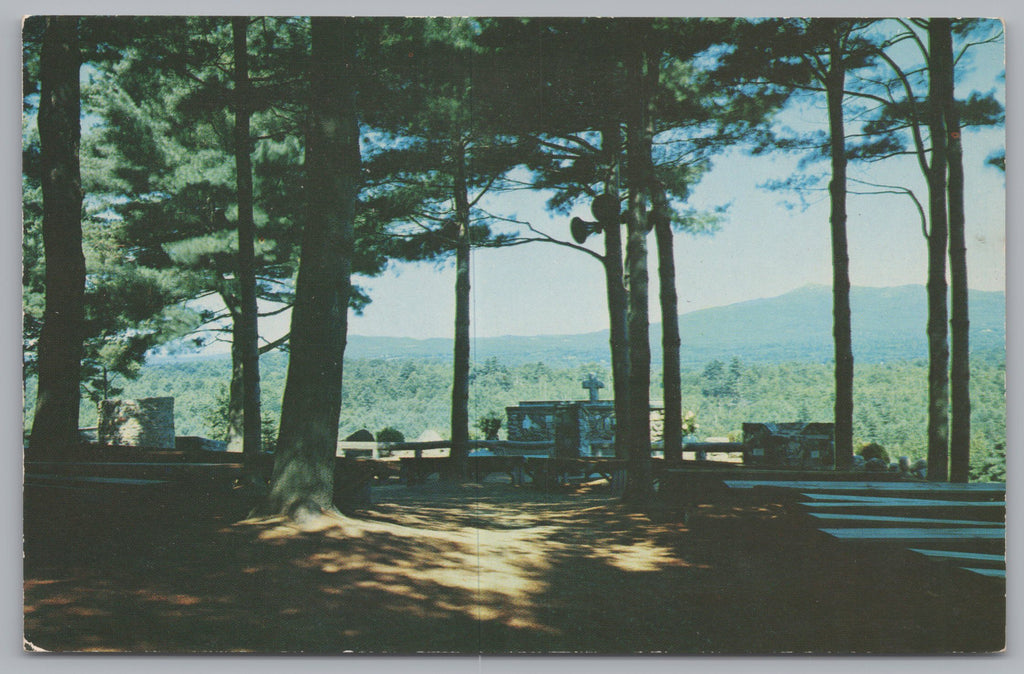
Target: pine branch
{"type": "Point", "coordinates": [276, 312]}
{"type": "Point", "coordinates": [911, 34]}
{"type": "Point", "coordinates": [493, 179]}
{"type": "Point", "coordinates": [561, 148]}
{"type": "Point", "coordinates": [816, 66]}
{"type": "Point", "coordinates": [994, 38]}
{"type": "Point", "coordinates": [580, 141]}
{"type": "Point", "coordinates": [270, 346]}
{"type": "Point", "coordinates": [922, 159]}
{"type": "Point", "coordinates": [898, 189]}
{"type": "Point", "coordinates": [543, 237]}
{"type": "Point", "coordinates": [429, 231]}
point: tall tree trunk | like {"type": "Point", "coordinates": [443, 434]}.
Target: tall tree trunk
{"type": "Point", "coordinates": [938, 346]}
{"type": "Point", "coordinates": [55, 425]}
{"type": "Point", "coordinates": [841, 328]}
{"type": "Point", "coordinates": [611, 140]}
{"type": "Point", "coordinates": [236, 390]}
{"type": "Point", "coordinates": [661, 218]}
{"type": "Point", "coordinates": [639, 484]}
{"type": "Point", "coordinates": [960, 363]}
{"type": "Point", "coordinates": [670, 341]}
{"type": "Point", "coordinates": [460, 368]}
{"type": "Point", "coordinates": [303, 476]}
{"type": "Point", "coordinates": [247, 327]}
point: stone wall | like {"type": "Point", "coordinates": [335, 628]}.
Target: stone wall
{"type": "Point", "coordinates": [146, 422]}
{"type": "Point", "coordinates": [597, 425]}
{"type": "Point", "coordinates": [531, 422]}
{"type": "Point", "coordinates": [657, 424]}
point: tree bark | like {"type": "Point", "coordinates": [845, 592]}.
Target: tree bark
{"type": "Point", "coordinates": [236, 390]}
{"type": "Point", "coordinates": [55, 424]}
{"type": "Point", "coordinates": [461, 355]}
{"type": "Point", "coordinates": [661, 217]}
{"type": "Point", "coordinates": [938, 236]}
{"type": "Point", "coordinates": [615, 288]}
{"type": "Point", "coordinates": [303, 479]}
{"type": "Point", "coordinates": [639, 484]}
{"type": "Point", "coordinates": [670, 341]}
{"type": "Point", "coordinates": [960, 363]}
{"type": "Point", "coordinates": [841, 321]}
{"type": "Point", "coordinates": [247, 321]}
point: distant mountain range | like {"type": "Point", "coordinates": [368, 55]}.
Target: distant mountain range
{"type": "Point", "coordinates": [888, 325]}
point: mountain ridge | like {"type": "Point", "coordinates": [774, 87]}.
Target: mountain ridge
{"type": "Point", "coordinates": [888, 324]}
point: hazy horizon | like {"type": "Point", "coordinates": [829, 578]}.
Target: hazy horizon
{"type": "Point", "coordinates": [223, 348]}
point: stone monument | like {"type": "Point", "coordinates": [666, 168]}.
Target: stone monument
{"type": "Point", "coordinates": [584, 428]}
{"type": "Point", "coordinates": [146, 422]}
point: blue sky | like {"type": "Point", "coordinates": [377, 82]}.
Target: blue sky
{"type": "Point", "coordinates": [762, 249]}
{"type": "Point", "coordinates": [765, 247]}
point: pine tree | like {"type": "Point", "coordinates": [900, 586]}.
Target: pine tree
{"type": "Point", "coordinates": [126, 308]}
{"type": "Point", "coordinates": [55, 426]}
{"type": "Point", "coordinates": [816, 55]}
{"type": "Point", "coordinates": [440, 155]}
{"type": "Point", "coordinates": [834, 80]}
{"type": "Point", "coordinates": [934, 121]}
{"type": "Point", "coordinates": [639, 134]}
{"type": "Point", "coordinates": [960, 369]}
{"type": "Point", "coordinates": [938, 237]}
{"type": "Point", "coordinates": [564, 93]}
{"type": "Point", "coordinates": [247, 324]}
{"type": "Point", "coordinates": [169, 153]}
{"type": "Point", "coordinates": [582, 77]}
{"type": "Point", "coordinates": [303, 480]}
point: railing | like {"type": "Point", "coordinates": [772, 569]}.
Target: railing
{"type": "Point", "coordinates": [382, 450]}
{"type": "Point", "coordinates": [599, 448]}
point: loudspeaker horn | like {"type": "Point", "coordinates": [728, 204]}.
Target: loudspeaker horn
{"type": "Point", "coordinates": [581, 229]}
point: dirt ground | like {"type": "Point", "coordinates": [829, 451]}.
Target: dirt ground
{"type": "Point", "coordinates": [476, 568]}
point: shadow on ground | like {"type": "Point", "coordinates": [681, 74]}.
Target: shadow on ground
{"type": "Point", "coordinates": [475, 568]}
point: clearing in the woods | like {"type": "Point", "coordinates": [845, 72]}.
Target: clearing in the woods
{"type": "Point", "coordinates": [468, 568]}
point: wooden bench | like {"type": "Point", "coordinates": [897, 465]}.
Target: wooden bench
{"type": "Point", "coordinates": [989, 511]}
{"type": "Point", "coordinates": [972, 492]}
{"type": "Point", "coordinates": [694, 483]}
{"type": "Point", "coordinates": [961, 524]}
{"type": "Point", "coordinates": [960, 557]}
{"type": "Point", "coordinates": [903, 534]}
{"type": "Point", "coordinates": [856, 519]}
{"type": "Point", "coordinates": [80, 481]}
{"type": "Point", "coordinates": [124, 472]}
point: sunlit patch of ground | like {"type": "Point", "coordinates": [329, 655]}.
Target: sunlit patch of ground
{"type": "Point", "coordinates": [471, 568]}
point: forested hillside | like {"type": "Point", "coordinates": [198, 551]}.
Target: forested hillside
{"type": "Point", "coordinates": [412, 396]}
{"type": "Point", "coordinates": [888, 325]}
{"type": "Point", "coordinates": [783, 374]}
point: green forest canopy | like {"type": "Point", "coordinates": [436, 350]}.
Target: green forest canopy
{"type": "Point", "coordinates": [412, 396]}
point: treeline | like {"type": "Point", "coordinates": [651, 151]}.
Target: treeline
{"type": "Point", "coordinates": [412, 396]}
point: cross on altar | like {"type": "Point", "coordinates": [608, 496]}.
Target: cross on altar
{"type": "Point", "coordinates": [592, 384]}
